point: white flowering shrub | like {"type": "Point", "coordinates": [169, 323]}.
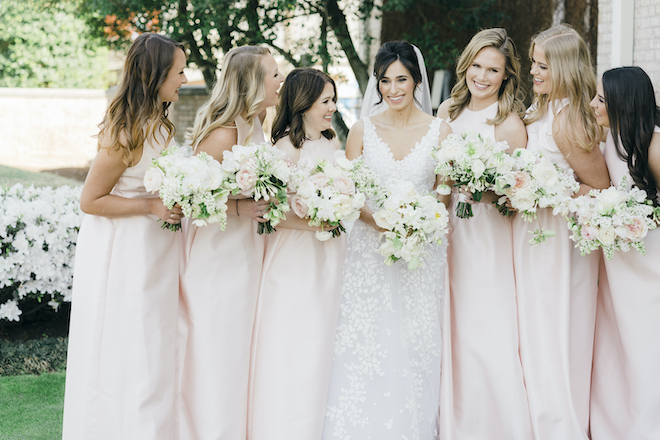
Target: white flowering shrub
{"type": "Point", "coordinates": [38, 232]}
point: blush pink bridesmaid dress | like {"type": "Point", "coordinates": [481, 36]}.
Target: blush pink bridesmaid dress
{"type": "Point", "coordinates": [120, 372]}
{"type": "Point", "coordinates": [556, 289]}
{"type": "Point", "coordinates": [625, 395]}
{"type": "Point", "coordinates": [295, 327]}
{"type": "Point", "coordinates": [219, 284]}
{"type": "Point", "coordinates": [483, 383]}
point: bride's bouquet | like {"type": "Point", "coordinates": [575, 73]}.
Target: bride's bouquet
{"type": "Point", "coordinates": [195, 183]}
{"type": "Point", "coordinates": [412, 221]}
{"type": "Point", "coordinates": [615, 219]}
{"type": "Point", "coordinates": [326, 195]}
{"type": "Point", "coordinates": [260, 171]}
{"type": "Point", "coordinates": [528, 181]}
{"type": "Point", "coordinates": [470, 161]}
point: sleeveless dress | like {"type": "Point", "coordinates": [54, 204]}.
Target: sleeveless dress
{"type": "Point", "coordinates": [121, 360]}
{"type": "Point", "coordinates": [556, 289]}
{"type": "Point", "coordinates": [625, 395]}
{"type": "Point", "coordinates": [220, 284]}
{"type": "Point", "coordinates": [385, 378]}
{"type": "Point", "coordinates": [485, 382]}
{"type": "Point", "coordinates": [295, 327]}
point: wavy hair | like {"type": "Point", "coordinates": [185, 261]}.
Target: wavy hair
{"type": "Point", "coordinates": [572, 76]}
{"type": "Point", "coordinates": [510, 95]}
{"type": "Point", "coordinates": [633, 114]}
{"type": "Point", "coordinates": [299, 92]}
{"type": "Point", "coordinates": [396, 51]}
{"type": "Point", "coordinates": [239, 89]}
{"type": "Point", "coordinates": [136, 110]}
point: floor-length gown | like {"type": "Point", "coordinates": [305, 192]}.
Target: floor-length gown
{"type": "Point", "coordinates": [556, 289]}
{"type": "Point", "coordinates": [385, 378]}
{"type": "Point", "coordinates": [486, 387]}
{"type": "Point", "coordinates": [625, 395]}
{"type": "Point", "coordinates": [295, 327]}
{"type": "Point", "coordinates": [220, 284]}
{"type": "Point", "coordinates": [121, 359]}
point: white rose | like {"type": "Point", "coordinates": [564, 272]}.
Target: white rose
{"type": "Point", "coordinates": [323, 235]}
{"type": "Point", "coordinates": [282, 171]}
{"type": "Point", "coordinates": [342, 162]}
{"type": "Point", "coordinates": [358, 200]}
{"type": "Point", "coordinates": [333, 172]}
{"type": "Point", "coordinates": [478, 168]}
{"type": "Point", "coordinates": [306, 189]}
{"type": "Point", "coordinates": [607, 236]}
{"type": "Point", "coordinates": [523, 200]}
{"type": "Point", "coordinates": [545, 173]}
{"type": "Point", "coordinates": [607, 200]}
{"type": "Point", "coordinates": [383, 218]}
{"type": "Point", "coordinates": [153, 179]}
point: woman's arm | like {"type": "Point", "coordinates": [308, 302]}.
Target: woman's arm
{"type": "Point", "coordinates": [106, 169]}
{"type": "Point", "coordinates": [513, 132]}
{"type": "Point", "coordinates": [654, 157]}
{"type": "Point", "coordinates": [445, 130]}
{"type": "Point", "coordinates": [589, 166]}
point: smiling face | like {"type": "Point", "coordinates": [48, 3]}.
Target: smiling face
{"type": "Point", "coordinates": [169, 90]}
{"type": "Point", "coordinates": [485, 75]}
{"type": "Point", "coordinates": [318, 117]}
{"type": "Point", "coordinates": [397, 86]}
{"type": "Point", "coordinates": [272, 81]}
{"type": "Point", "coordinates": [600, 107]}
{"type": "Point", "coordinates": [541, 72]}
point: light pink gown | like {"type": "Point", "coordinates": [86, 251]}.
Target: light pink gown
{"type": "Point", "coordinates": [625, 395]}
{"type": "Point", "coordinates": [220, 284]}
{"type": "Point", "coordinates": [488, 398]}
{"type": "Point", "coordinates": [556, 289]}
{"type": "Point", "coordinates": [121, 359]}
{"type": "Point", "coordinates": [295, 327]}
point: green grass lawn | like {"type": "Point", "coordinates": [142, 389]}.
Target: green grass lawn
{"type": "Point", "coordinates": [31, 407]}
{"type": "Point", "coordinates": [10, 176]}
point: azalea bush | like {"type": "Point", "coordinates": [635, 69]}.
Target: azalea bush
{"type": "Point", "coordinates": [38, 232]}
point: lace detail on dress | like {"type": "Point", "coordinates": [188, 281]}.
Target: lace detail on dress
{"type": "Point", "coordinates": [386, 372]}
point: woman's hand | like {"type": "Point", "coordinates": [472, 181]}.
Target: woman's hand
{"type": "Point", "coordinates": [251, 209]}
{"type": "Point", "coordinates": [172, 216]}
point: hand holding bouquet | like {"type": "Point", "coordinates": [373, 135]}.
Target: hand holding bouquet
{"type": "Point", "coordinates": [195, 183]}
{"type": "Point", "coordinates": [529, 181]}
{"type": "Point", "coordinates": [470, 161]}
{"type": "Point", "coordinates": [260, 171]}
{"type": "Point", "coordinates": [412, 221]}
{"type": "Point", "coordinates": [326, 195]}
{"type": "Point", "coordinates": [614, 219]}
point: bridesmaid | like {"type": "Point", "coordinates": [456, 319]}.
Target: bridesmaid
{"type": "Point", "coordinates": [220, 281]}
{"type": "Point", "coordinates": [126, 283]}
{"type": "Point", "coordinates": [556, 286]}
{"type": "Point", "coordinates": [625, 395]}
{"type": "Point", "coordinates": [484, 384]}
{"type": "Point", "coordinates": [300, 282]}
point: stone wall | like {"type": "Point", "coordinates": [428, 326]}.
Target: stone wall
{"type": "Point", "coordinates": [646, 37]}
{"type": "Point", "coordinates": [54, 129]}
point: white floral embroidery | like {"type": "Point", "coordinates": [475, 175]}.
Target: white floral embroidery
{"type": "Point", "coordinates": [386, 372]}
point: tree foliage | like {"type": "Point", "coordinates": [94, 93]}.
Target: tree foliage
{"type": "Point", "coordinates": [45, 44]}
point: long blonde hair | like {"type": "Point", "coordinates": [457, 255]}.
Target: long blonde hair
{"type": "Point", "coordinates": [572, 76]}
{"type": "Point", "coordinates": [240, 88]}
{"type": "Point", "coordinates": [136, 109]}
{"type": "Point", "coordinates": [510, 97]}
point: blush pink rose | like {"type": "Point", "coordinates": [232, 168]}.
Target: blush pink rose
{"type": "Point", "coordinates": [345, 185]}
{"type": "Point", "coordinates": [522, 181]}
{"type": "Point", "coordinates": [589, 233]}
{"type": "Point", "coordinates": [637, 229]}
{"type": "Point", "coordinates": [299, 206]}
{"type": "Point", "coordinates": [246, 179]}
{"type": "Point", "coordinates": [320, 180]}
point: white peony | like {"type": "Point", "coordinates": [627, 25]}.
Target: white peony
{"type": "Point", "coordinates": [153, 179]}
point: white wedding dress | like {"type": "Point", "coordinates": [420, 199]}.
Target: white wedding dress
{"type": "Point", "coordinates": [385, 380]}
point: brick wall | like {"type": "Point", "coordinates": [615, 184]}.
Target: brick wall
{"type": "Point", "coordinates": [646, 44]}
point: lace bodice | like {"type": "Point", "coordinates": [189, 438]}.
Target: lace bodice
{"type": "Point", "coordinates": [418, 166]}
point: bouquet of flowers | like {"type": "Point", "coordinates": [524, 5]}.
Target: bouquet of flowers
{"type": "Point", "coordinates": [366, 181]}
{"type": "Point", "coordinates": [195, 183]}
{"type": "Point", "coordinates": [412, 220]}
{"type": "Point", "coordinates": [614, 219]}
{"type": "Point", "coordinates": [470, 161]}
{"type": "Point", "coordinates": [529, 181]}
{"type": "Point", "coordinates": [326, 195]}
{"type": "Point", "coordinates": [260, 171]}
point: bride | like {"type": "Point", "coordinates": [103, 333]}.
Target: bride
{"type": "Point", "coordinates": [386, 372]}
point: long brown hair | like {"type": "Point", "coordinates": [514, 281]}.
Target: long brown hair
{"type": "Point", "coordinates": [240, 88]}
{"type": "Point", "coordinates": [300, 91]}
{"type": "Point", "coordinates": [510, 95]}
{"type": "Point", "coordinates": [136, 110]}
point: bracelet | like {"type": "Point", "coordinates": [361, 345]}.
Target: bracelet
{"type": "Point", "coordinates": [237, 214]}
